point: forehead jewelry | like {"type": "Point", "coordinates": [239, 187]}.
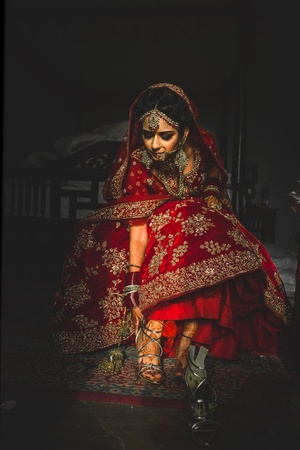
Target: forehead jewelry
{"type": "Point", "coordinates": [153, 119]}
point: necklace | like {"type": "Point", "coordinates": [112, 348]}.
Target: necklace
{"type": "Point", "coordinates": [170, 171]}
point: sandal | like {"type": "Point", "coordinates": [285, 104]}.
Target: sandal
{"type": "Point", "coordinates": [150, 366]}
{"type": "Point", "coordinates": [202, 398]}
{"type": "Point", "coordinates": [182, 352]}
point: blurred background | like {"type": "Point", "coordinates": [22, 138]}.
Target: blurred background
{"type": "Point", "coordinates": [70, 67]}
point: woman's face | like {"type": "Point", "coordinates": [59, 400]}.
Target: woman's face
{"type": "Point", "coordinates": [162, 141]}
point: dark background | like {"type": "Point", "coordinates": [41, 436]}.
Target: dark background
{"type": "Point", "coordinates": [72, 66]}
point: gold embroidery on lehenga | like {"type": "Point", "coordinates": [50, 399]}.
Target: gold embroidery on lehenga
{"type": "Point", "coordinates": [156, 260]}
{"type": "Point", "coordinates": [112, 305]}
{"type": "Point", "coordinates": [129, 210]}
{"type": "Point", "coordinates": [197, 224]}
{"type": "Point", "coordinates": [83, 322]}
{"type": "Point", "coordinates": [77, 294]}
{"type": "Point", "coordinates": [277, 304]}
{"type": "Point", "coordinates": [239, 238]}
{"type": "Point", "coordinates": [214, 247]}
{"type": "Point", "coordinates": [279, 280]}
{"type": "Point", "coordinates": [92, 270]}
{"type": "Point", "coordinates": [178, 252]}
{"type": "Point", "coordinates": [84, 241]}
{"type": "Point", "coordinates": [114, 259]}
{"type": "Point", "coordinates": [159, 221]}
{"type": "Point", "coordinates": [200, 274]}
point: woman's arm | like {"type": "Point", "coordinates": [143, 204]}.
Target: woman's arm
{"type": "Point", "coordinates": [138, 239]}
{"type": "Point", "coordinates": [211, 191]}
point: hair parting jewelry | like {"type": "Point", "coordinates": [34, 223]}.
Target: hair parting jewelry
{"type": "Point", "coordinates": [153, 119]}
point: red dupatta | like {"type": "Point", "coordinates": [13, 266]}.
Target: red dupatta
{"type": "Point", "coordinates": [203, 139]}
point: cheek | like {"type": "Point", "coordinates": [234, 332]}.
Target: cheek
{"type": "Point", "coordinates": [147, 143]}
{"type": "Point", "coordinates": [170, 146]}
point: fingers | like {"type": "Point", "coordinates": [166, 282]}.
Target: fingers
{"type": "Point", "coordinates": [137, 317]}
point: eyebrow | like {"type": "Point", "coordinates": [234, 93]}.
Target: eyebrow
{"type": "Point", "coordinates": [160, 132]}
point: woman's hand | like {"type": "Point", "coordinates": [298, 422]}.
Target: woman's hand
{"type": "Point", "coordinates": [136, 317]}
{"type": "Point", "coordinates": [213, 202]}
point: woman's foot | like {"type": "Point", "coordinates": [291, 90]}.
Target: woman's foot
{"type": "Point", "coordinates": [189, 328]}
{"type": "Point", "coordinates": [149, 351]}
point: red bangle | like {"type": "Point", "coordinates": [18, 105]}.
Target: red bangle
{"type": "Point", "coordinates": [212, 181]}
{"type": "Point", "coordinates": [131, 300]}
{"type": "Point", "coordinates": [132, 278]}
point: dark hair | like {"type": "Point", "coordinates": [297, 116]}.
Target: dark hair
{"type": "Point", "coordinates": [166, 101]}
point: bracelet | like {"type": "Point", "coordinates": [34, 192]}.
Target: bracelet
{"type": "Point", "coordinates": [131, 288]}
{"type": "Point", "coordinates": [134, 265]}
{"type": "Point", "coordinates": [213, 181]}
{"type": "Point", "coordinates": [211, 193]}
{"type": "Point", "coordinates": [211, 188]}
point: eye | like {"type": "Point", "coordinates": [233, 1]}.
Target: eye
{"type": "Point", "coordinates": [167, 136]}
{"type": "Point", "coordinates": [147, 134]}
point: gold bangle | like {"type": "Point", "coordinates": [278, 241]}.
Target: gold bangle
{"type": "Point", "coordinates": [134, 265]}
{"type": "Point", "coordinates": [211, 188]}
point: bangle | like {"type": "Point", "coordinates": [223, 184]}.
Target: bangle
{"type": "Point", "coordinates": [211, 188]}
{"type": "Point", "coordinates": [134, 265]}
{"type": "Point", "coordinates": [131, 288]}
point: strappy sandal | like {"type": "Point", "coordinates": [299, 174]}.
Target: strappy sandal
{"type": "Point", "coordinates": [202, 398]}
{"type": "Point", "coordinates": [148, 370]}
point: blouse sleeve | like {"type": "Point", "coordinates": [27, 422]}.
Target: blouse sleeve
{"type": "Point", "coordinates": [137, 179]}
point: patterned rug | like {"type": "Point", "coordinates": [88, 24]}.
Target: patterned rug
{"type": "Point", "coordinates": [29, 361]}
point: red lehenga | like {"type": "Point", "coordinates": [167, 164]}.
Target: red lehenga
{"type": "Point", "coordinates": [199, 263]}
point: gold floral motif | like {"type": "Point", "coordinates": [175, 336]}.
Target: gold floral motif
{"type": "Point", "coordinates": [59, 315]}
{"type": "Point", "coordinates": [157, 222]}
{"type": "Point", "coordinates": [83, 322]}
{"type": "Point", "coordinates": [239, 238]}
{"type": "Point", "coordinates": [116, 181]}
{"type": "Point", "coordinates": [277, 304]}
{"type": "Point", "coordinates": [214, 247]}
{"type": "Point", "coordinates": [76, 294]}
{"type": "Point", "coordinates": [84, 241]}
{"type": "Point", "coordinates": [156, 260]}
{"type": "Point", "coordinates": [178, 253]}
{"type": "Point", "coordinates": [112, 305]}
{"type": "Point", "coordinates": [279, 280]}
{"type": "Point", "coordinates": [196, 224]}
{"type": "Point", "coordinates": [112, 258]}
{"type": "Point", "coordinates": [229, 216]}
{"type": "Point", "coordinates": [92, 270]}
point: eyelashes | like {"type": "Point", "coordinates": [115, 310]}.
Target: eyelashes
{"type": "Point", "coordinates": [166, 137]}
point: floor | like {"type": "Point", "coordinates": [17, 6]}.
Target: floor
{"type": "Point", "coordinates": [41, 423]}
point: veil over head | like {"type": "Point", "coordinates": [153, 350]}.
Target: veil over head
{"type": "Point", "coordinates": [200, 137]}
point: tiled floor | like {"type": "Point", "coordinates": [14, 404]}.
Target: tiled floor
{"type": "Point", "coordinates": [39, 423]}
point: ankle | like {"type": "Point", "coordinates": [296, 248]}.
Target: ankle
{"type": "Point", "coordinates": [189, 328]}
{"type": "Point", "coordinates": [187, 337]}
{"type": "Point", "coordinates": [154, 328]}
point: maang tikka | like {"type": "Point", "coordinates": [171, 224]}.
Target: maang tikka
{"type": "Point", "coordinates": [153, 119]}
